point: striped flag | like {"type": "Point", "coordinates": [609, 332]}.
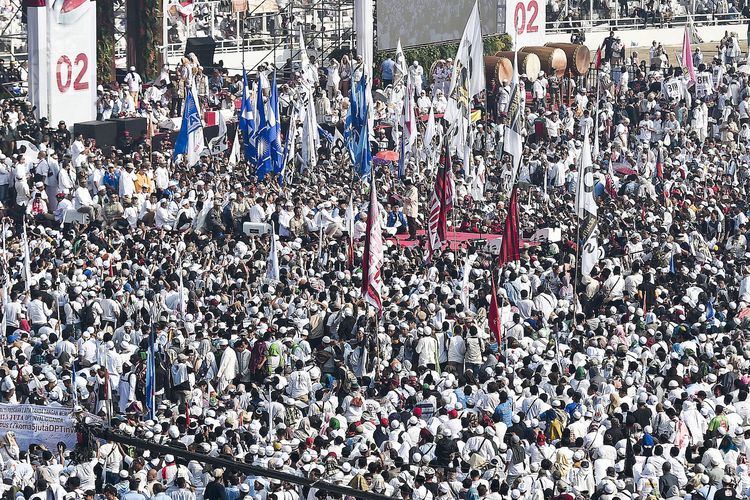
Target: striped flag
{"type": "Point", "coordinates": [372, 259]}
{"type": "Point", "coordinates": [441, 203]}
{"type": "Point", "coordinates": [510, 250]}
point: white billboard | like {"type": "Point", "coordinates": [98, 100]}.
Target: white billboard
{"type": "Point", "coordinates": [525, 22]}
{"type": "Point", "coordinates": [62, 56]}
{"type": "Point", "coordinates": [419, 22]}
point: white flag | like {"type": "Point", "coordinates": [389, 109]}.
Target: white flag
{"type": "Point", "coordinates": [585, 203]}
{"type": "Point", "coordinates": [590, 254]}
{"type": "Point", "coordinates": [587, 211]}
{"type": "Point", "coordinates": [468, 70]}
{"type": "Point", "coordinates": [467, 81]}
{"type": "Point", "coordinates": [26, 258]}
{"type": "Point", "coordinates": [272, 263]}
{"type": "Point", "coordinates": [400, 69]}
{"type": "Point", "coordinates": [234, 156]}
{"type": "Point", "coordinates": [466, 278]}
{"type": "Point", "coordinates": [429, 134]}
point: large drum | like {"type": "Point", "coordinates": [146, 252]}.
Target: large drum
{"type": "Point", "coordinates": [497, 68]}
{"type": "Point", "coordinates": [578, 56]}
{"type": "Point", "coordinates": [551, 60]}
{"type": "Point", "coordinates": [528, 63]}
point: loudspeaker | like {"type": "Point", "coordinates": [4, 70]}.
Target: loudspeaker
{"type": "Point", "coordinates": [256, 228]}
{"type": "Point", "coordinates": [203, 47]}
{"type": "Point", "coordinates": [103, 132]}
{"type": "Point", "coordinates": [135, 125]}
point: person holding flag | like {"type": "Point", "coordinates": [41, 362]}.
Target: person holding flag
{"type": "Point", "coordinates": [190, 142]}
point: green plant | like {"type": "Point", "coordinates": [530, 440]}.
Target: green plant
{"type": "Point", "coordinates": [105, 41]}
{"type": "Point", "coordinates": [144, 35]}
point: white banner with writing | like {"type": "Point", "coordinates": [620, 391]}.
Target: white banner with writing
{"type": "Point", "coordinates": [47, 425]}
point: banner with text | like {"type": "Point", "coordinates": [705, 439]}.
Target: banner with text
{"type": "Point", "coordinates": [47, 425]}
{"type": "Point", "coordinates": [62, 56]}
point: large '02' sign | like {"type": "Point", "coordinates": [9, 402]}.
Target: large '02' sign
{"type": "Point", "coordinates": [525, 21]}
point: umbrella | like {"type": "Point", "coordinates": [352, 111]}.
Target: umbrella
{"type": "Point", "coordinates": [745, 68]}
{"type": "Point", "coordinates": [387, 155]}
{"type": "Point", "coordinates": [625, 170]}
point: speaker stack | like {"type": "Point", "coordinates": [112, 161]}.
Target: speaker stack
{"type": "Point", "coordinates": [103, 132]}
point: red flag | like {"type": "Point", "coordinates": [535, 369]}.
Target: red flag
{"type": "Point", "coordinates": [510, 247]}
{"type": "Point", "coordinates": [687, 55]}
{"type": "Point", "coordinates": [609, 186]}
{"type": "Point", "coordinates": [598, 61]}
{"type": "Point", "coordinates": [659, 166]}
{"type": "Point", "coordinates": [494, 315]}
{"type": "Point", "coordinates": [187, 413]}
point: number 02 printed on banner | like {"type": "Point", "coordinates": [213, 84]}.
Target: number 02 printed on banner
{"type": "Point", "coordinates": [525, 22]}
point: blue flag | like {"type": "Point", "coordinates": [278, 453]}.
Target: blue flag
{"type": "Point", "coordinates": [356, 129]}
{"type": "Point", "coordinates": [274, 128]}
{"type": "Point", "coordinates": [264, 163]}
{"type": "Point", "coordinates": [73, 377]}
{"type": "Point", "coordinates": [150, 375]}
{"type": "Point", "coordinates": [325, 135]}
{"type": "Point", "coordinates": [710, 313]}
{"type": "Point", "coordinates": [190, 139]}
{"type": "Point", "coordinates": [247, 121]}
{"type": "Point", "coordinates": [672, 267]}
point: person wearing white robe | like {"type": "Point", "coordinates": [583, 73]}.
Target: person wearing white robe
{"type": "Point", "coordinates": [228, 365]}
{"type": "Point", "coordinates": [694, 421]}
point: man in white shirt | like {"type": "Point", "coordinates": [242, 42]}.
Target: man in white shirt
{"type": "Point", "coordinates": [133, 81]}
{"type": "Point", "coordinates": [299, 385]}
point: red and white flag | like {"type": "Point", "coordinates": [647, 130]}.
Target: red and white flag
{"type": "Point", "coordinates": [687, 54]}
{"type": "Point", "coordinates": [441, 203]}
{"type": "Point", "coordinates": [510, 250]}
{"type": "Point", "coordinates": [372, 260]}
{"type": "Point", "coordinates": [494, 316]}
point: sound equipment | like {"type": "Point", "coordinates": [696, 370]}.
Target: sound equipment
{"type": "Point", "coordinates": [135, 125]}
{"type": "Point", "coordinates": [203, 47]}
{"type": "Point", "coordinates": [256, 228]}
{"type": "Point", "coordinates": [103, 132]}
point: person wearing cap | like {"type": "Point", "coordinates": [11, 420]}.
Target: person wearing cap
{"type": "Point", "coordinates": [410, 201]}
{"type": "Point", "coordinates": [133, 81]}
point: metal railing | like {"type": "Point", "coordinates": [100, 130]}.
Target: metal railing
{"type": "Point", "coordinates": [593, 23]}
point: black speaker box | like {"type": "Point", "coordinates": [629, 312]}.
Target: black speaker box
{"type": "Point", "coordinates": [135, 125]}
{"type": "Point", "coordinates": [103, 132]}
{"type": "Point", "coordinates": [203, 47]}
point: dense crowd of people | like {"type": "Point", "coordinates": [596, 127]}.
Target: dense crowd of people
{"type": "Point", "coordinates": [630, 381]}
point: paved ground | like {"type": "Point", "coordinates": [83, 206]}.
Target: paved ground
{"type": "Point", "coordinates": [708, 49]}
